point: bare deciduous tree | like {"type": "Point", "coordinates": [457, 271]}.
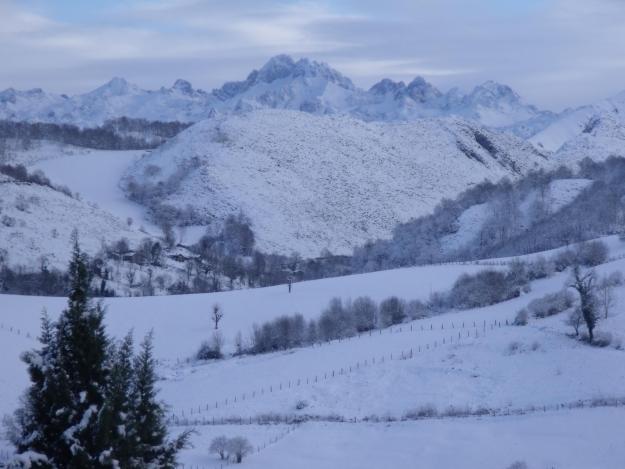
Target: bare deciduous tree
{"type": "Point", "coordinates": [219, 446]}
{"type": "Point", "coordinates": [605, 290]}
{"type": "Point", "coordinates": [131, 275]}
{"type": "Point", "coordinates": [238, 448]}
{"type": "Point", "coordinates": [584, 283]}
{"type": "Point", "coordinates": [217, 314]}
{"type": "Point", "coordinates": [575, 319]}
{"type": "Point", "coordinates": [238, 343]}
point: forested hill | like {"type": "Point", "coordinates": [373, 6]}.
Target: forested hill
{"type": "Point", "coordinates": [540, 211]}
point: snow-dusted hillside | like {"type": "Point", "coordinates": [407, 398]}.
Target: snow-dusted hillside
{"type": "Point", "coordinates": [98, 208]}
{"type": "Point", "coordinates": [314, 182]}
{"type": "Point", "coordinates": [551, 198]}
{"type": "Point", "coordinates": [36, 222]}
{"type": "Point", "coordinates": [596, 131]}
{"type": "Point", "coordinates": [536, 368]}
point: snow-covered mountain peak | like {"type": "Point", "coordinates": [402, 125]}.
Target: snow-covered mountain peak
{"type": "Point", "coordinates": [283, 66]}
{"type": "Point", "coordinates": [418, 90]}
{"type": "Point", "coordinates": [422, 91]}
{"type": "Point", "coordinates": [304, 85]}
{"type": "Point", "coordinates": [11, 95]}
{"type": "Point", "coordinates": [280, 66]}
{"type": "Point", "coordinates": [8, 96]}
{"type": "Point", "coordinates": [117, 86]}
{"type": "Point", "coordinates": [182, 86]}
{"type": "Point", "coordinates": [491, 91]}
{"type": "Point", "coordinates": [387, 86]}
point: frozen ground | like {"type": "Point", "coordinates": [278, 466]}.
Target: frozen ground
{"type": "Point", "coordinates": [95, 175]}
{"type": "Point", "coordinates": [42, 225]}
{"type": "Point", "coordinates": [37, 223]}
{"type": "Point", "coordinates": [503, 367]}
{"type": "Point", "coordinates": [584, 439]}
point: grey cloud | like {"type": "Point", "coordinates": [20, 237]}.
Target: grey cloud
{"type": "Point", "coordinates": [556, 53]}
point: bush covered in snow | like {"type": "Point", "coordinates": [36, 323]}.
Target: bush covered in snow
{"type": "Point", "coordinates": [211, 349]}
{"type": "Point", "coordinates": [552, 303]}
{"type": "Point", "coordinates": [484, 288]}
{"type": "Point", "coordinates": [521, 318]}
{"type": "Point", "coordinates": [234, 449]}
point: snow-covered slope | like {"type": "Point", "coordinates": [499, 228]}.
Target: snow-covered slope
{"type": "Point", "coordinates": [314, 182]}
{"type": "Point", "coordinates": [603, 137]}
{"type": "Point", "coordinates": [494, 368]}
{"type": "Point", "coordinates": [596, 131]}
{"type": "Point", "coordinates": [37, 221]}
{"type": "Point", "coordinates": [552, 197]}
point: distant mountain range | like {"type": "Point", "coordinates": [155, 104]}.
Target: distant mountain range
{"type": "Point", "coordinates": [282, 83]}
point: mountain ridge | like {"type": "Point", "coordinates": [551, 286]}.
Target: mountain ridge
{"type": "Point", "coordinates": [282, 82]}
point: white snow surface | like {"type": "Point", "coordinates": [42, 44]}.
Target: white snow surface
{"type": "Point", "coordinates": [44, 226]}
{"type": "Point", "coordinates": [573, 440]}
{"type": "Point", "coordinates": [310, 183]}
{"type": "Point", "coordinates": [95, 175]}
{"type": "Point", "coordinates": [595, 131]}
{"type": "Point", "coordinates": [469, 224]}
{"type": "Point", "coordinates": [546, 367]}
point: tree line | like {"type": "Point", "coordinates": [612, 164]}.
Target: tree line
{"type": "Point", "coordinates": [117, 134]}
{"type": "Point", "coordinates": [518, 220]}
{"type": "Point", "coordinates": [347, 318]}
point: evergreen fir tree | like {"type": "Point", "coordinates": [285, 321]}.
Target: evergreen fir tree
{"type": "Point", "coordinates": [91, 404]}
{"type": "Point", "coordinates": [58, 422]}
{"type": "Point", "coordinates": [40, 420]}
{"type": "Point", "coordinates": [115, 423]}
{"type": "Point", "coordinates": [153, 449]}
{"type": "Point", "coordinates": [82, 355]}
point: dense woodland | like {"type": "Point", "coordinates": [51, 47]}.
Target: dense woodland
{"type": "Point", "coordinates": [598, 210]}
{"type": "Point", "coordinates": [117, 134]}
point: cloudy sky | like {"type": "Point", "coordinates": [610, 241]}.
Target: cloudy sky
{"type": "Point", "coordinates": [555, 53]}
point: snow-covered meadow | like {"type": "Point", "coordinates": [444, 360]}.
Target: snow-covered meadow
{"type": "Point", "coordinates": [469, 360]}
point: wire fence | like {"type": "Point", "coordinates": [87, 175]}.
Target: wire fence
{"type": "Point", "coordinates": [16, 331]}
{"type": "Point", "coordinates": [460, 334]}
{"type": "Point", "coordinates": [425, 412]}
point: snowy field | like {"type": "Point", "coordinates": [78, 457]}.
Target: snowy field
{"type": "Point", "coordinates": [95, 175]}
{"type": "Point", "coordinates": [181, 322]}
{"type": "Point", "coordinates": [568, 440]}
{"type": "Point", "coordinates": [468, 360]}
